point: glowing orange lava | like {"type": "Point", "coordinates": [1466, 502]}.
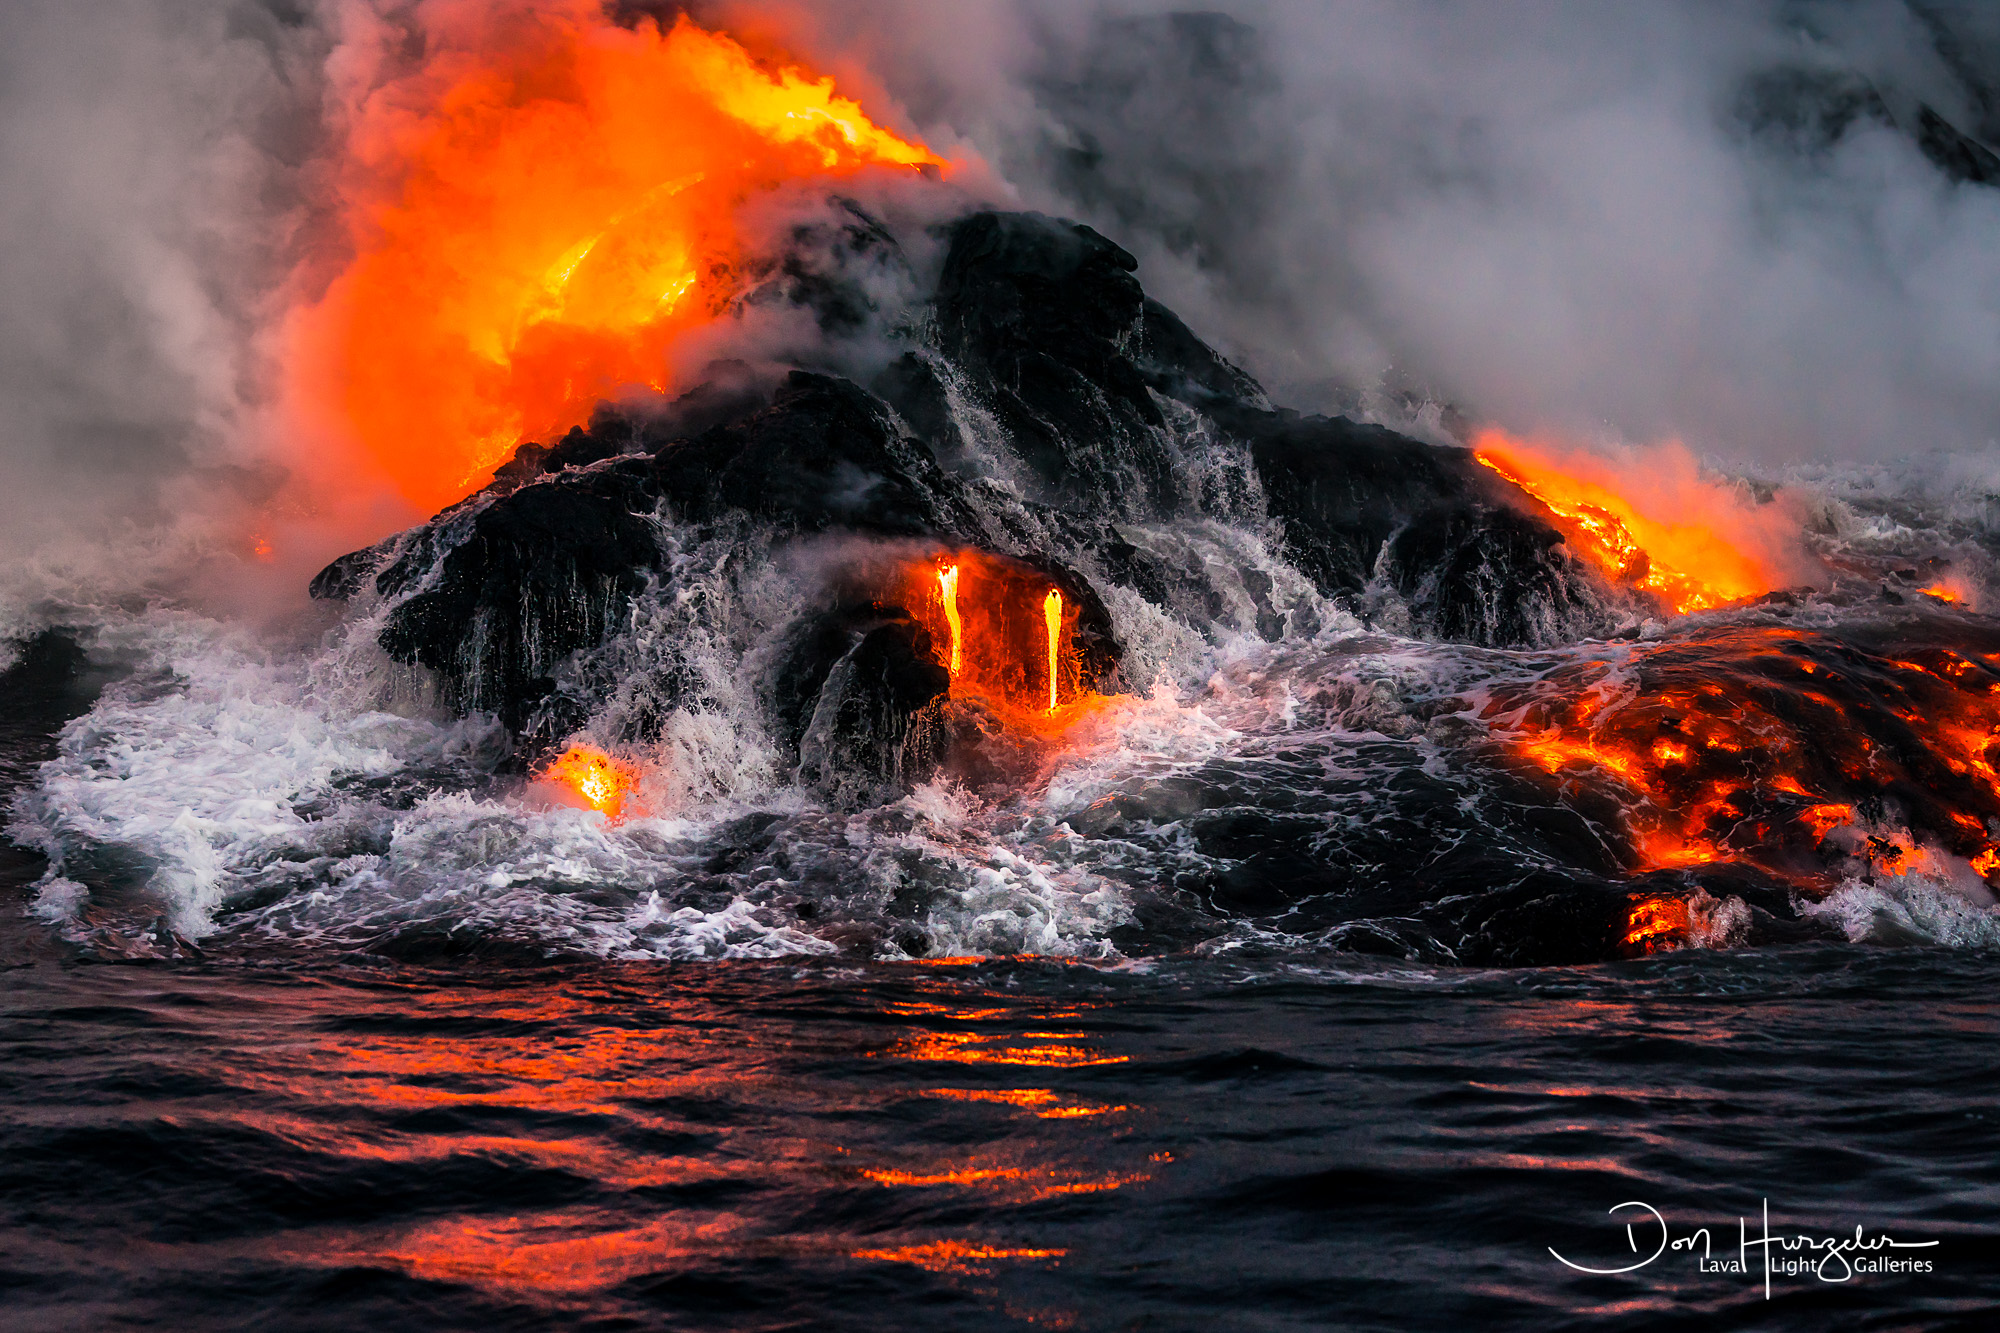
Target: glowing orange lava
{"type": "Point", "coordinates": [604, 783]}
{"type": "Point", "coordinates": [1052, 619]}
{"type": "Point", "coordinates": [948, 595]}
{"type": "Point", "coordinates": [537, 212]}
{"type": "Point", "coordinates": [1655, 923]}
{"type": "Point", "coordinates": [1007, 637]}
{"type": "Point", "coordinates": [1660, 528]}
{"type": "Point", "coordinates": [1777, 748]}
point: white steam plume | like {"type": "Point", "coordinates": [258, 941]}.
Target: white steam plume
{"type": "Point", "coordinates": [1708, 220]}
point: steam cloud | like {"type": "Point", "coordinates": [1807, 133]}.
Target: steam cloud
{"type": "Point", "coordinates": [1756, 227]}
{"type": "Point", "coordinates": [1767, 229]}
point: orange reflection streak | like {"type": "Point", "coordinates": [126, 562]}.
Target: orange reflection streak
{"type": "Point", "coordinates": [970, 1175]}
{"type": "Point", "coordinates": [538, 211]}
{"type": "Point", "coordinates": [974, 1048]}
{"type": "Point", "coordinates": [1027, 1097]}
{"type": "Point", "coordinates": [1660, 529]}
{"type": "Point", "coordinates": [549, 1252]}
{"type": "Point", "coordinates": [954, 1256]}
{"type": "Point", "coordinates": [1030, 1182]}
{"type": "Point", "coordinates": [1008, 1096]}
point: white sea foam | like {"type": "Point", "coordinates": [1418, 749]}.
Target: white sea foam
{"type": "Point", "coordinates": [1915, 908]}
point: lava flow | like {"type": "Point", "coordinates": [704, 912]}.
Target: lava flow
{"type": "Point", "coordinates": [1662, 529]}
{"type": "Point", "coordinates": [1784, 750]}
{"type": "Point", "coordinates": [1006, 636]}
{"type": "Point", "coordinates": [948, 598]}
{"type": "Point", "coordinates": [601, 782]}
{"type": "Point", "coordinates": [537, 212]}
{"type": "Point", "coordinates": [1052, 625]}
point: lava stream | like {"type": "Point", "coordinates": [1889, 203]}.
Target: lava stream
{"type": "Point", "coordinates": [1660, 529]}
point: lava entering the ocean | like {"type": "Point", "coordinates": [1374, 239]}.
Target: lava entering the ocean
{"type": "Point", "coordinates": [1776, 748]}
{"type": "Point", "coordinates": [1005, 635]}
{"type": "Point", "coordinates": [1662, 530]}
{"type": "Point", "coordinates": [537, 213]}
{"type": "Point", "coordinates": [601, 782]}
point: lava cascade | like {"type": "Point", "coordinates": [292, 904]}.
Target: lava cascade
{"type": "Point", "coordinates": [1659, 528]}
{"type": "Point", "coordinates": [1007, 638]}
{"type": "Point", "coordinates": [537, 213]}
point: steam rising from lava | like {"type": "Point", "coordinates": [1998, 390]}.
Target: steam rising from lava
{"type": "Point", "coordinates": [1655, 523]}
{"type": "Point", "coordinates": [538, 211]}
{"type": "Point", "coordinates": [1557, 219]}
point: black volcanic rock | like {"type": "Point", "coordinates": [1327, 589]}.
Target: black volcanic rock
{"type": "Point", "coordinates": [1956, 154]}
{"type": "Point", "coordinates": [1044, 324]}
{"type": "Point", "coordinates": [542, 572]}
{"type": "Point", "coordinates": [1037, 312]}
{"type": "Point", "coordinates": [1361, 503]}
{"type": "Point", "coordinates": [873, 679]}
{"type": "Point", "coordinates": [824, 455]}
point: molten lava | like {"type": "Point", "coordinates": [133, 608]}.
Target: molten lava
{"type": "Point", "coordinates": [1052, 622]}
{"type": "Point", "coordinates": [603, 783]}
{"type": "Point", "coordinates": [1661, 529]}
{"type": "Point", "coordinates": [1656, 923]}
{"type": "Point", "coordinates": [948, 597]}
{"type": "Point", "coordinates": [1004, 634]}
{"type": "Point", "coordinates": [1778, 748]}
{"type": "Point", "coordinates": [536, 214]}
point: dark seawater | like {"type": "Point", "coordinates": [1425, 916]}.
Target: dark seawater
{"type": "Point", "coordinates": [332, 1141]}
{"type": "Point", "coordinates": [1008, 1144]}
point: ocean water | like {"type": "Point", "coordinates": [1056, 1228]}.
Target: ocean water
{"type": "Point", "coordinates": [290, 1131]}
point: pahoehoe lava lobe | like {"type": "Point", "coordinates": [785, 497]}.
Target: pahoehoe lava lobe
{"type": "Point", "coordinates": [1050, 423]}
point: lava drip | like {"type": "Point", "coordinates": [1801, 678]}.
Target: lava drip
{"type": "Point", "coordinates": [948, 599]}
{"type": "Point", "coordinates": [1052, 621]}
{"type": "Point", "coordinates": [1021, 641]}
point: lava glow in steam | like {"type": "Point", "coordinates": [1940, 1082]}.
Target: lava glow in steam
{"type": "Point", "coordinates": [1658, 527]}
{"type": "Point", "coordinates": [602, 783]}
{"type": "Point", "coordinates": [537, 212]}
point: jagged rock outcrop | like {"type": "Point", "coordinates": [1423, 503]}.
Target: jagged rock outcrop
{"type": "Point", "coordinates": [1096, 392]}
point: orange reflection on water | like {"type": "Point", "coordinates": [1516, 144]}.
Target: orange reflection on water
{"type": "Point", "coordinates": [979, 1048]}
{"type": "Point", "coordinates": [540, 1252]}
{"type": "Point", "coordinates": [955, 1256]}
{"type": "Point", "coordinates": [1046, 1098]}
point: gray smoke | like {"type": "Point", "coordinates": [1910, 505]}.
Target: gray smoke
{"type": "Point", "coordinates": [147, 149]}
{"type": "Point", "coordinates": [1770, 229]}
